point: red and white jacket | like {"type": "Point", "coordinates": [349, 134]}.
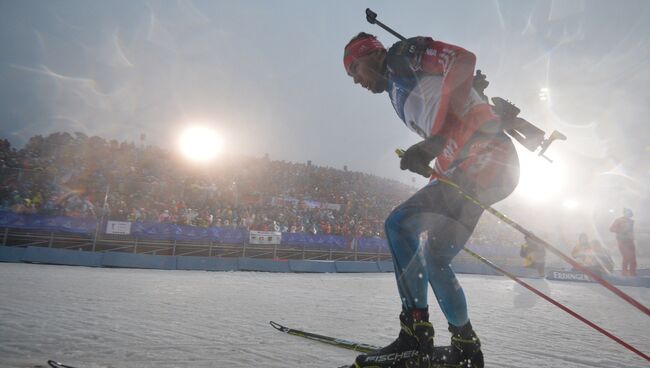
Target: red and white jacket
{"type": "Point", "coordinates": [437, 98]}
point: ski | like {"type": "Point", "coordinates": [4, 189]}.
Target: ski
{"type": "Point", "coordinates": [54, 364]}
{"type": "Point", "coordinates": [441, 351]}
{"type": "Point", "coordinates": [345, 344]}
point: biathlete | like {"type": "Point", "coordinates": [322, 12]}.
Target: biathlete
{"type": "Point", "coordinates": [430, 86]}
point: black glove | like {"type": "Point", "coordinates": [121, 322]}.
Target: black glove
{"type": "Point", "coordinates": [419, 155]}
{"type": "Point", "coordinates": [404, 57]}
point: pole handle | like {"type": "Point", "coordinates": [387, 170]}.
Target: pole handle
{"type": "Point", "coordinates": [371, 16]}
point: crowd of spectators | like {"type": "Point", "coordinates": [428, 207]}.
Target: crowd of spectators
{"type": "Point", "coordinates": [74, 175]}
{"type": "Point", "coordinates": [91, 177]}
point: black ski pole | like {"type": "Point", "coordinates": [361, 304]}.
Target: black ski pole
{"type": "Point", "coordinates": [371, 17]}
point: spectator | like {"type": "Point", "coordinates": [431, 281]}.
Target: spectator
{"type": "Point", "coordinates": [624, 229]}
{"type": "Point", "coordinates": [592, 255]}
{"type": "Point", "coordinates": [534, 255]}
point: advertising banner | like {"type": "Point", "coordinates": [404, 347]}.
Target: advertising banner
{"type": "Point", "coordinates": [118, 227]}
{"type": "Point", "coordinates": [265, 237]}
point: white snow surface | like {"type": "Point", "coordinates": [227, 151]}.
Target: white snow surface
{"type": "Point", "coordinates": [100, 317]}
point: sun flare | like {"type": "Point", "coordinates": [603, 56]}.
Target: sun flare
{"type": "Point", "coordinates": [200, 144]}
{"type": "Point", "coordinates": [540, 180]}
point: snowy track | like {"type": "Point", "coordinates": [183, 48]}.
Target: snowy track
{"type": "Point", "coordinates": [97, 317]}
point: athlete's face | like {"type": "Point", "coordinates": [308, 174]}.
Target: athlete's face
{"type": "Point", "coordinates": [368, 71]}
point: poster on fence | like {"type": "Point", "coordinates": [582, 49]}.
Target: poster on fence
{"type": "Point", "coordinates": [265, 237]}
{"type": "Point", "coordinates": [118, 227]}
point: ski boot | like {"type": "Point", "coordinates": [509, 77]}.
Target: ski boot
{"type": "Point", "coordinates": [413, 348]}
{"type": "Point", "coordinates": [466, 346]}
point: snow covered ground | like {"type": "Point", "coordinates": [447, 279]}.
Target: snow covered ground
{"type": "Point", "coordinates": [98, 317]}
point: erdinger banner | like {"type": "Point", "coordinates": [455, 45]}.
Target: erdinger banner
{"type": "Point", "coordinates": [118, 227]}
{"type": "Point", "coordinates": [265, 237]}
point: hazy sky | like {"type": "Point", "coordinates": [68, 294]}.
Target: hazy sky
{"type": "Point", "coordinates": [268, 74]}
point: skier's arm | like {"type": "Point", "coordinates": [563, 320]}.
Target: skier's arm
{"type": "Point", "coordinates": [419, 155]}
{"type": "Point", "coordinates": [456, 65]}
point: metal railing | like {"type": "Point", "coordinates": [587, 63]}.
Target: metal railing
{"type": "Point", "coordinates": [129, 244]}
{"type": "Point", "coordinates": [123, 243]}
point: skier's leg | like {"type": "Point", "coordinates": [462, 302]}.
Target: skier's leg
{"type": "Point", "coordinates": [490, 176]}
{"type": "Point", "coordinates": [448, 292]}
{"type": "Point", "coordinates": [443, 245]}
{"type": "Point", "coordinates": [446, 241]}
{"type": "Point", "coordinates": [401, 228]}
{"type": "Point", "coordinates": [415, 340]}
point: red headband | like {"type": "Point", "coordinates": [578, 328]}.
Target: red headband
{"type": "Point", "coordinates": [359, 48]}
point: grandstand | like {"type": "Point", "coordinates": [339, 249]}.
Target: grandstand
{"type": "Point", "coordinates": [62, 190]}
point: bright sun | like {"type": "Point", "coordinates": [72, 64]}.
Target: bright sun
{"type": "Point", "coordinates": [200, 144]}
{"type": "Point", "coordinates": [540, 180]}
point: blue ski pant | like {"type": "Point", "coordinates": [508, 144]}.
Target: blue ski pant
{"type": "Point", "coordinates": [429, 229]}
